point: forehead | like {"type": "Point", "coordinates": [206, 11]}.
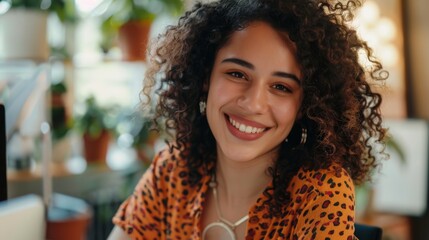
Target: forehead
{"type": "Point", "coordinates": [260, 42]}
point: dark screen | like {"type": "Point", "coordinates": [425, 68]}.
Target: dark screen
{"type": "Point", "coordinates": [3, 175]}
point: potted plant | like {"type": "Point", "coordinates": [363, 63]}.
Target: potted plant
{"type": "Point", "coordinates": [62, 122]}
{"type": "Point", "coordinates": [129, 21]}
{"type": "Point", "coordinates": [96, 126]}
{"type": "Point", "coordinates": [23, 27]}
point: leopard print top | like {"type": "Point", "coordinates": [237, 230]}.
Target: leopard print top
{"type": "Point", "coordinates": [164, 206]}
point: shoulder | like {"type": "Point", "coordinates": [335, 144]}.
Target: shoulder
{"type": "Point", "coordinates": [333, 178]}
{"type": "Point", "coordinates": [167, 162]}
{"type": "Point", "coordinates": [143, 213]}
{"type": "Point", "coordinates": [166, 169]}
{"type": "Point", "coordinates": [324, 201]}
{"type": "Point", "coordinates": [332, 184]}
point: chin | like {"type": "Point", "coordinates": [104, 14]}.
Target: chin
{"type": "Point", "coordinates": [246, 152]}
{"type": "Point", "coordinates": [241, 154]}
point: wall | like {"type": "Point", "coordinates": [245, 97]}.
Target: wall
{"type": "Point", "coordinates": [417, 39]}
{"type": "Point", "coordinates": [416, 28]}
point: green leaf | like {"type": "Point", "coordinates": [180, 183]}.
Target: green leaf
{"type": "Point", "coordinates": [391, 143]}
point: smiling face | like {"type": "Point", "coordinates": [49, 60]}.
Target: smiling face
{"type": "Point", "coordinates": [254, 93]}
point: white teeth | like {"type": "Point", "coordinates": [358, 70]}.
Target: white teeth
{"type": "Point", "coordinates": [244, 128]}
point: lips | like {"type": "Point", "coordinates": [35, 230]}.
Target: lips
{"type": "Point", "coordinates": [244, 129]}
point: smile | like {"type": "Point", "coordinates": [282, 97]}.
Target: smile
{"type": "Point", "coordinates": [245, 128]}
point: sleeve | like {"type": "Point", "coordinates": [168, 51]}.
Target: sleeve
{"type": "Point", "coordinates": [329, 210]}
{"type": "Point", "coordinates": [140, 216]}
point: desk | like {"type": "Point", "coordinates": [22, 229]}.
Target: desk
{"type": "Point", "coordinates": [94, 177]}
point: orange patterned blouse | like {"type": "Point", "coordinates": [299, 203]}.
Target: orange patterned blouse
{"type": "Point", "coordinates": [164, 206]}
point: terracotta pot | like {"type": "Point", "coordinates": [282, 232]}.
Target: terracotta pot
{"type": "Point", "coordinates": [68, 218]}
{"type": "Point", "coordinates": [133, 39]}
{"type": "Point", "coordinates": [95, 149]}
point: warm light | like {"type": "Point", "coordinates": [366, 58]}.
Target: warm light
{"type": "Point", "coordinates": [370, 13]}
{"type": "Point", "coordinates": [386, 29]}
{"type": "Point", "coordinates": [379, 32]}
{"type": "Point", "coordinates": [380, 29]}
{"type": "Point", "coordinates": [388, 54]}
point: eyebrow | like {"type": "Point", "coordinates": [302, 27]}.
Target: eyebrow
{"type": "Point", "coordinates": [246, 64]}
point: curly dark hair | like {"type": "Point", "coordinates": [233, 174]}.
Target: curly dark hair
{"type": "Point", "coordinates": [339, 109]}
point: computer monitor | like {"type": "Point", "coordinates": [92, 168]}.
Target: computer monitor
{"type": "Point", "coordinates": [3, 167]}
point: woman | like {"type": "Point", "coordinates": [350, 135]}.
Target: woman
{"type": "Point", "coordinates": [272, 116]}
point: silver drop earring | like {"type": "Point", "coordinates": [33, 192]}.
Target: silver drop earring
{"type": "Point", "coordinates": [304, 135]}
{"type": "Point", "coordinates": [203, 106]}
{"type": "Point", "coordinates": [302, 140]}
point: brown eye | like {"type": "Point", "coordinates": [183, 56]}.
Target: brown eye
{"type": "Point", "coordinates": [237, 75]}
{"type": "Point", "coordinates": [282, 88]}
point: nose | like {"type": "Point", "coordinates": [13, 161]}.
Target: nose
{"type": "Point", "coordinates": [253, 99]}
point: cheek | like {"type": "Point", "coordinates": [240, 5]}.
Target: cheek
{"type": "Point", "coordinates": [220, 92]}
{"type": "Point", "coordinates": [286, 114]}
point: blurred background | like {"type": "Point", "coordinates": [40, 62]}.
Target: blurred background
{"type": "Point", "coordinates": [71, 72]}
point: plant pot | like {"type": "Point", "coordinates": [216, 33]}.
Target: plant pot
{"type": "Point", "coordinates": [23, 35]}
{"type": "Point", "coordinates": [68, 218]}
{"type": "Point", "coordinates": [95, 149]}
{"type": "Point", "coordinates": [133, 39]}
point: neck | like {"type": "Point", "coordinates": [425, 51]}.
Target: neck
{"type": "Point", "coordinates": [241, 182]}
